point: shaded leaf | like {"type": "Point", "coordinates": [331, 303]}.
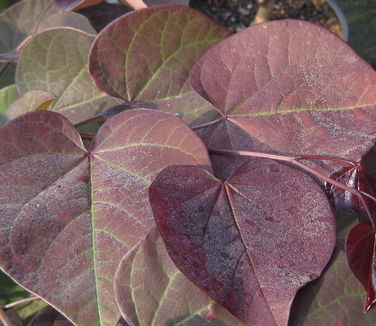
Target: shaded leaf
{"type": "Point", "coordinates": [151, 291]}
{"type": "Point", "coordinates": [294, 87]}
{"type": "Point", "coordinates": [250, 242]}
{"type": "Point", "coordinates": [336, 298]}
{"type": "Point", "coordinates": [13, 317]}
{"type": "Point", "coordinates": [104, 13]}
{"type": "Point", "coordinates": [360, 251]}
{"type": "Point", "coordinates": [74, 4]}
{"type": "Point", "coordinates": [28, 102]}
{"type": "Point", "coordinates": [146, 56]}
{"type": "Point", "coordinates": [43, 65]}
{"type": "Point", "coordinates": [7, 96]}
{"type": "Point", "coordinates": [21, 20]}
{"type": "Point", "coordinates": [62, 236]}
{"type": "Point", "coordinates": [7, 77]}
{"type": "Point", "coordinates": [166, 2]}
{"type": "Point", "coordinates": [48, 316]}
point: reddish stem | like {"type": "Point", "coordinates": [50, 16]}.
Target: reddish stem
{"type": "Point", "coordinates": [294, 160]}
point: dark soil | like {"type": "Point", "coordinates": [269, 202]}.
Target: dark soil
{"type": "Point", "coordinates": [239, 14]}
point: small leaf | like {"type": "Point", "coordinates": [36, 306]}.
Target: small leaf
{"type": "Point", "coordinates": [7, 96]}
{"type": "Point", "coordinates": [250, 242]}
{"type": "Point", "coordinates": [294, 87]}
{"type": "Point", "coordinates": [69, 216]}
{"type": "Point", "coordinates": [28, 102]}
{"type": "Point", "coordinates": [48, 316]}
{"type": "Point", "coordinates": [43, 66]}
{"type": "Point", "coordinates": [360, 251]}
{"type": "Point", "coordinates": [146, 56]}
{"type": "Point", "coordinates": [151, 291]}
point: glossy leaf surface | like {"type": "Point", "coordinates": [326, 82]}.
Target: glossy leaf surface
{"type": "Point", "coordinates": [146, 56]}
{"type": "Point", "coordinates": [294, 87]}
{"type": "Point", "coordinates": [250, 242]}
{"type": "Point", "coordinates": [43, 65]}
{"type": "Point", "coordinates": [65, 227]}
{"type": "Point", "coordinates": [151, 291]}
{"type": "Point", "coordinates": [360, 251]}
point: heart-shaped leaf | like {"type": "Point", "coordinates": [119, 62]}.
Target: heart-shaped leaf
{"type": "Point", "coordinates": [250, 242]}
{"type": "Point", "coordinates": [146, 56]}
{"type": "Point", "coordinates": [69, 216]}
{"type": "Point", "coordinates": [294, 87]}
{"type": "Point", "coordinates": [7, 96]}
{"type": "Point", "coordinates": [42, 66]}
{"type": "Point", "coordinates": [161, 294]}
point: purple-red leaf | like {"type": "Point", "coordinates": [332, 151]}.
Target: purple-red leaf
{"type": "Point", "coordinates": [68, 215]}
{"type": "Point", "coordinates": [360, 251]}
{"type": "Point", "coordinates": [151, 291]}
{"type": "Point", "coordinates": [48, 316]}
{"type": "Point", "coordinates": [250, 242]}
{"type": "Point", "coordinates": [294, 87]}
{"type": "Point", "coordinates": [146, 56]}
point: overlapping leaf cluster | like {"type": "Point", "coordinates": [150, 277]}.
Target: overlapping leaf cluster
{"type": "Point", "coordinates": [161, 217]}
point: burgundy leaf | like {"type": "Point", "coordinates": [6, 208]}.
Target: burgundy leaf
{"type": "Point", "coordinates": [146, 56]}
{"type": "Point", "coordinates": [294, 87]}
{"type": "Point", "coordinates": [68, 216]}
{"type": "Point", "coordinates": [360, 251]}
{"type": "Point", "coordinates": [250, 242]}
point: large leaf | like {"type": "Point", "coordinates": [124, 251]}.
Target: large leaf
{"type": "Point", "coordinates": [56, 61]}
{"type": "Point", "coordinates": [250, 242]}
{"type": "Point", "coordinates": [294, 87]}
{"type": "Point", "coordinates": [151, 291]}
{"type": "Point", "coordinates": [146, 56]}
{"type": "Point", "coordinates": [7, 96]}
{"type": "Point", "coordinates": [69, 216]}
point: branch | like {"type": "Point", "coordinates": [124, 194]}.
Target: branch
{"type": "Point", "coordinates": [264, 11]}
{"type": "Point", "coordinates": [294, 160]}
{"type": "Point", "coordinates": [16, 303]}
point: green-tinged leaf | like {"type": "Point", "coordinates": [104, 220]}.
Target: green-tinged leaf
{"type": "Point", "coordinates": [7, 77]}
{"type": "Point", "coordinates": [56, 61]}
{"type": "Point", "coordinates": [7, 96]}
{"type": "Point", "coordinates": [336, 299]}
{"type": "Point", "coordinates": [21, 20]}
{"type": "Point", "coordinates": [30, 101]}
{"type": "Point", "coordinates": [69, 216]}
{"type": "Point", "coordinates": [146, 56]}
{"type": "Point", "coordinates": [151, 291]}
{"type": "Point", "coordinates": [48, 316]}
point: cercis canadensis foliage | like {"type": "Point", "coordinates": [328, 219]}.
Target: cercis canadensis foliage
{"type": "Point", "coordinates": [163, 172]}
